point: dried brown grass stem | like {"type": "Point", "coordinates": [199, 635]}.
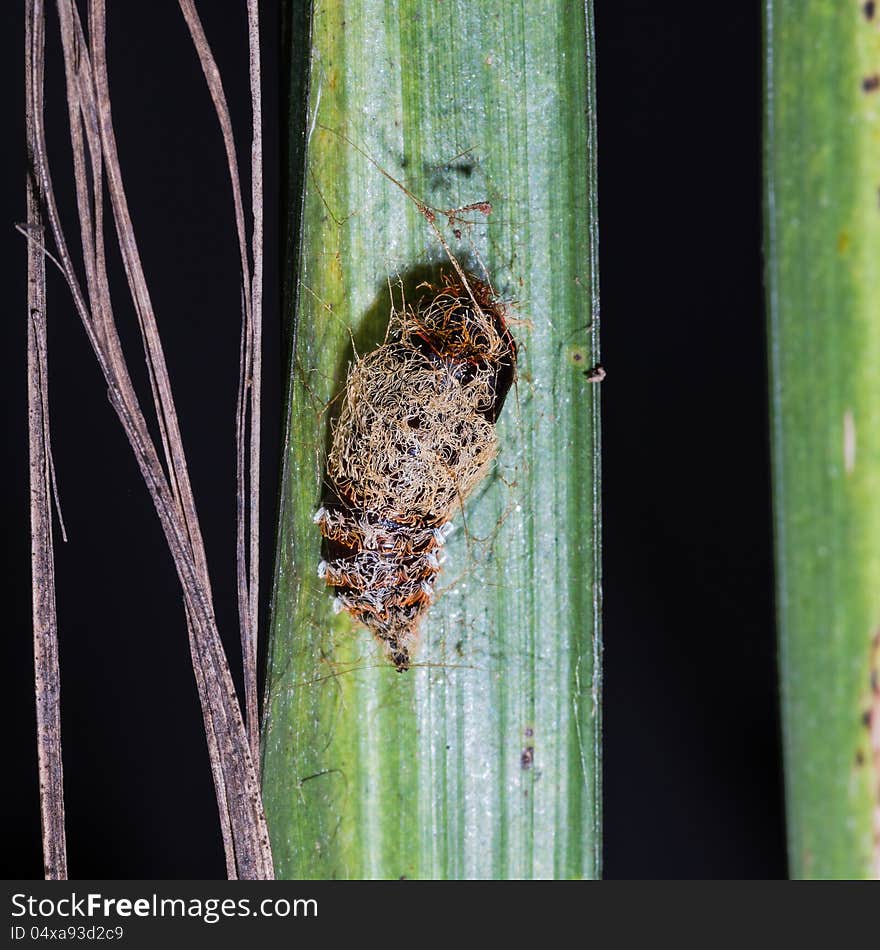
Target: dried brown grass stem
{"type": "Point", "coordinates": [46, 670]}
{"type": "Point", "coordinates": [247, 410]}
{"type": "Point", "coordinates": [92, 137]}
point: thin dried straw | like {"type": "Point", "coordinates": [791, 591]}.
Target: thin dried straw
{"type": "Point", "coordinates": [46, 672]}
{"type": "Point", "coordinates": [250, 652]}
{"type": "Point", "coordinates": [247, 409]}
{"type": "Point", "coordinates": [242, 820]}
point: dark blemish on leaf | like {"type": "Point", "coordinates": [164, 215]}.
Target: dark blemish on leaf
{"type": "Point", "coordinates": [577, 357]}
{"type": "Point", "coordinates": [527, 758]}
{"type": "Point", "coordinates": [528, 732]}
{"type": "Point", "coordinates": [860, 757]}
{"type": "Point", "coordinates": [440, 175]}
{"type": "Point", "coordinates": [866, 718]}
{"type": "Point", "coordinates": [462, 166]}
{"type": "Point", "coordinates": [595, 374]}
{"type": "Point", "coordinates": [871, 83]}
{"type": "Point", "coordinates": [869, 9]}
{"type": "Point", "coordinates": [320, 774]}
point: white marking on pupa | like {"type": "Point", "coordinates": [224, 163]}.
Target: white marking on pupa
{"type": "Point", "coordinates": [337, 605]}
{"type": "Point", "coordinates": [447, 528]}
{"type": "Point", "coordinates": [849, 442]}
{"type": "Point", "coordinates": [322, 569]}
{"type": "Point", "coordinates": [427, 589]}
{"type": "Point", "coordinates": [318, 517]}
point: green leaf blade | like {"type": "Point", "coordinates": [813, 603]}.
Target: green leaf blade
{"type": "Point", "coordinates": [823, 269]}
{"type": "Point", "coordinates": [482, 761]}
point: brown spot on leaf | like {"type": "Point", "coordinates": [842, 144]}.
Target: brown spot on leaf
{"type": "Point", "coordinates": [869, 9]}
{"type": "Point", "coordinates": [527, 758]}
{"type": "Point", "coordinates": [871, 83]}
{"type": "Point", "coordinates": [578, 356]}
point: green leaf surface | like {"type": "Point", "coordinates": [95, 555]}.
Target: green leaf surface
{"type": "Point", "coordinates": [823, 276]}
{"type": "Point", "coordinates": [483, 760]}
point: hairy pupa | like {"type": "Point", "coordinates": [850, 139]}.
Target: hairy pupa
{"type": "Point", "coordinates": [415, 435]}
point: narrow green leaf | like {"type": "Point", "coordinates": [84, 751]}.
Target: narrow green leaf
{"type": "Point", "coordinates": [482, 761]}
{"type": "Point", "coordinates": [823, 272]}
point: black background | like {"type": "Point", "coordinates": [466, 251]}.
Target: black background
{"type": "Point", "coordinates": [692, 757]}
